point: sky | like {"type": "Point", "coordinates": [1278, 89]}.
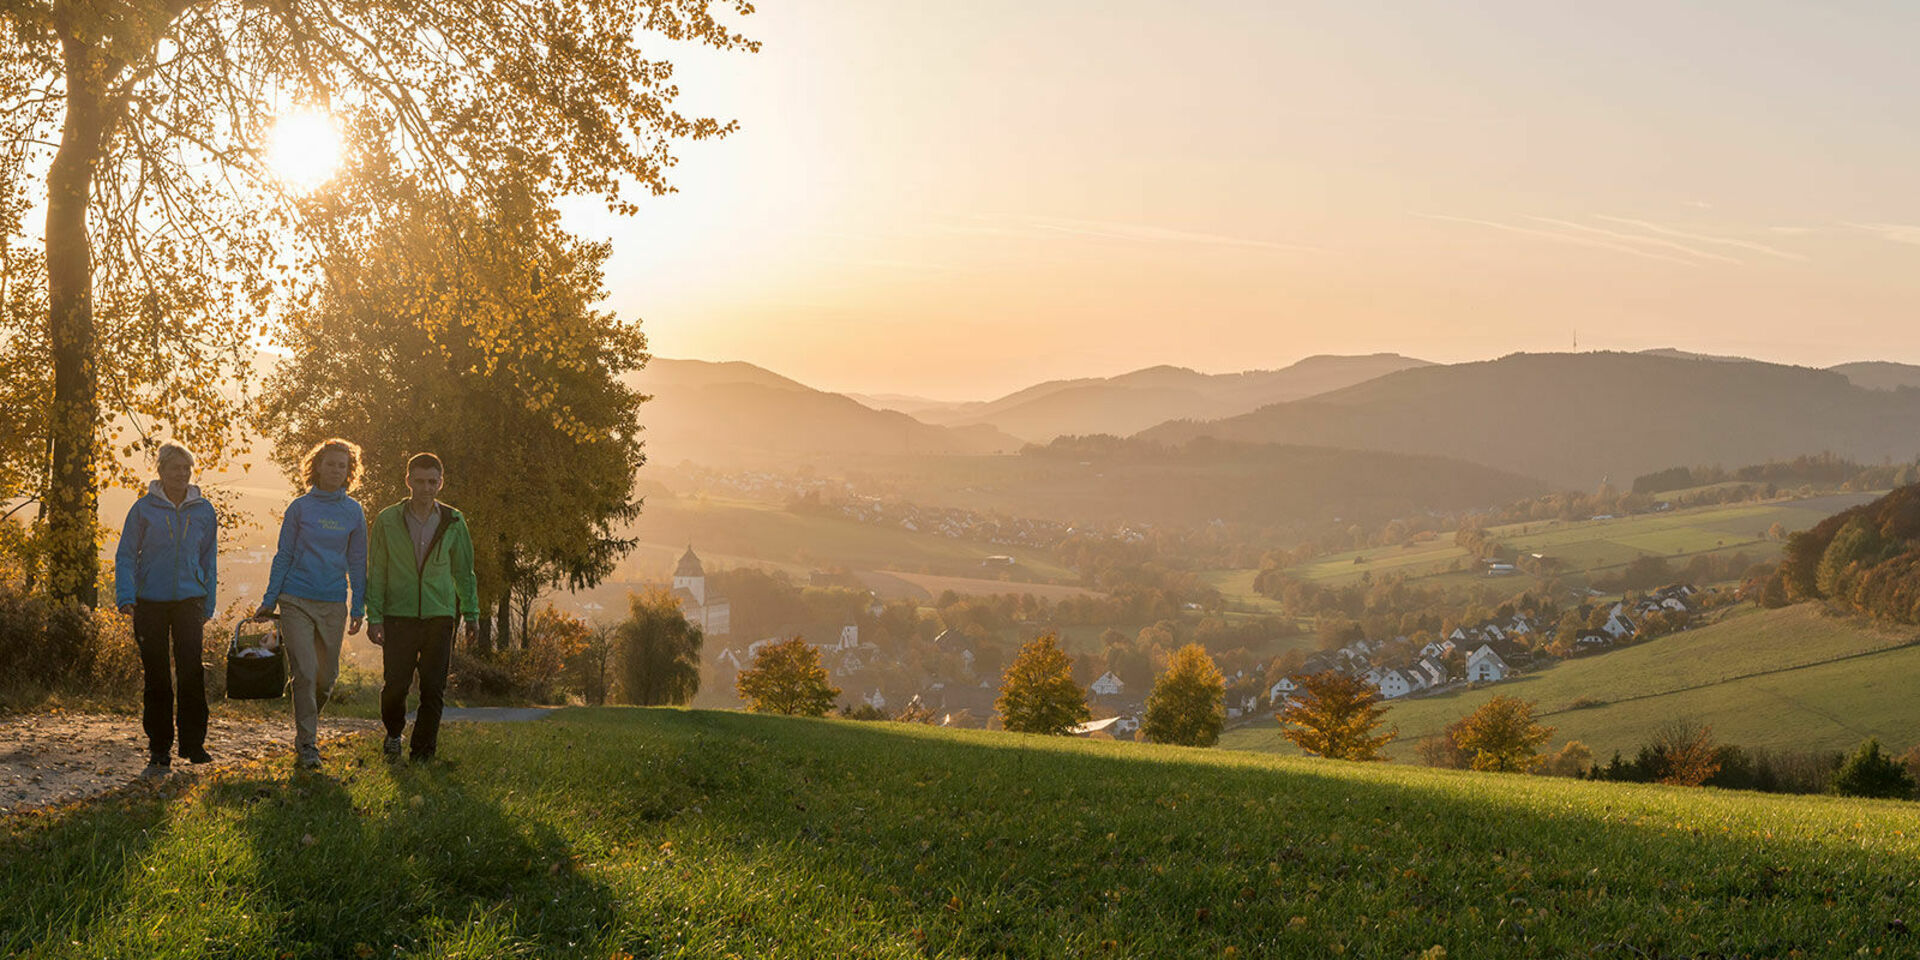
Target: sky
{"type": "Point", "coordinates": [957, 200]}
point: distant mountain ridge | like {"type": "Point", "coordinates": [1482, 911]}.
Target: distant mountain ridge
{"type": "Point", "coordinates": [1572, 419]}
{"type": "Point", "coordinates": [1132, 402]}
{"type": "Point", "coordinates": [736, 414]}
{"type": "Point", "coordinates": [1880, 374]}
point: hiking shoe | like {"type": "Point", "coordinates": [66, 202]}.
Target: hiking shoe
{"type": "Point", "coordinates": [159, 759]}
{"type": "Point", "coordinates": [197, 755]}
{"type": "Point", "coordinates": [392, 748]}
{"type": "Point", "coordinates": [309, 760]}
{"type": "Point", "coordinates": [421, 758]}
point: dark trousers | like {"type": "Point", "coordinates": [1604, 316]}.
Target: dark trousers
{"type": "Point", "coordinates": [173, 628]}
{"type": "Point", "coordinates": [424, 646]}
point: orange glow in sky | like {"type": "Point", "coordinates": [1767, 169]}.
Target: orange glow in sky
{"type": "Point", "coordinates": [956, 200]}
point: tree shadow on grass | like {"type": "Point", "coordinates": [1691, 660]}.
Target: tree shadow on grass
{"type": "Point", "coordinates": [432, 866]}
{"type": "Point", "coordinates": [62, 870]}
{"type": "Point", "coordinates": [1019, 847]}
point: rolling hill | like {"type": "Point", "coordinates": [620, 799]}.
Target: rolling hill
{"type": "Point", "coordinates": [737, 414]}
{"type": "Point", "coordinates": [1135, 401]}
{"type": "Point", "coordinates": [1880, 374]}
{"type": "Point", "coordinates": [618, 832]}
{"type": "Point", "coordinates": [1106, 481]}
{"type": "Point", "coordinates": [1573, 419]}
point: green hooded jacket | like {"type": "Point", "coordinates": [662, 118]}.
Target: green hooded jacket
{"type": "Point", "coordinates": [443, 586]}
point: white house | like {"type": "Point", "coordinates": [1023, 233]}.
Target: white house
{"type": "Point", "coordinates": [1483, 666]}
{"type": "Point", "coordinates": [1393, 684]}
{"type": "Point", "coordinates": [713, 615]}
{"type": "Point", "coordinates": [1618, 626]}
{"type": "Point", "coordinates": [1280, 688]}
{"type": "Point", "coordinates": [1108, 685]}
{"type": "Point", "coordinates": [876, 699]}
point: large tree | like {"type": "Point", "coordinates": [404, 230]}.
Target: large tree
{"type": "Point", "coordinates": [1334, 716]}
{"type": "Point", "coordinates": [142, 125]}
{"type": "Point", "coordinates": [470, 334]}
{"type": "Point", "coordinates": [1501, 735]}
{"type": "Point", "coordinates": [659, 652]}
{"type": "Point", "coordinates": [1187, 703]}
{"type": "Point", "coordinates": [1038, 693]}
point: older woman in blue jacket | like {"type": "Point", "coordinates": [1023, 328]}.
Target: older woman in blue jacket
{"type": "Point", "coordinates": [165, 572]}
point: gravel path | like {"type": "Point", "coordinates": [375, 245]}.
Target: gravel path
{"type": "Point", "coordinates": [48, 759]}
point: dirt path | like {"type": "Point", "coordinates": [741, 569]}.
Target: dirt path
{"type": "Point", "coordinates": [48, 759]}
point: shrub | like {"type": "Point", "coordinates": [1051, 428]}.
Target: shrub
{"type": "Point", "coordinates": [1871, 773]}
{"type": "Point", "coordinates": [862, 711]}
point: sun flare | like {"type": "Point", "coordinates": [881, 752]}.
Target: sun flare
{"type": "Point", "coordinates": [303, 149]}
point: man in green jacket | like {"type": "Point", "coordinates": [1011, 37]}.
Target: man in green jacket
{"type": "Point", "coordinates": [419, 583]}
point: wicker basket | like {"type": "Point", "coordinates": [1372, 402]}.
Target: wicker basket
{"type": "Point", "coordinates": [256, 677]}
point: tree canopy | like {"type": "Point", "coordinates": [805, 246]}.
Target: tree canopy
{"type": "Point", "coordinates": [1334, 716]}
{"type": "Point", "coordinates": [787, 677]}
{"type": "Point", "coordinates": [474, 338]}
{"type": "Point", "coordinates": [1501, 735]}
{"type": "Point", "coordinates": [1038, 693]}
{"type": "Point", "coordinates": [1187, 704]}
{"type": "Point", "coordinates": [659, 651]}
{"type": "Point", "coordinates": [169, 244]}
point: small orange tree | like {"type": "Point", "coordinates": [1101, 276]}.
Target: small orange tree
{"type": "Point", "coordinates": [1187, 703]}
{"type": "Point", "coordinates": [1038, 694]}
{"type": "Point", "coordinates": [1501, 735]}
{"type": "Point", "coordinates": [787, 677]}
{"type": "Point", "coordinates": [1334, 717]}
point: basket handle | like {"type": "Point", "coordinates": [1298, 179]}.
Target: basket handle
{"type": "Point", "coordinates": [233, 642]}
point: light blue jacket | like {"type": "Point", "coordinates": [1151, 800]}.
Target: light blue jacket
{"type": "Point", "coordinates": [167, 553]}
{"type": "Point", "coordinates": [323, 551]}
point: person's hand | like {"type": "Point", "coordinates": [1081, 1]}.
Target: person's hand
{"type": "Point", "coordinates": [353, 626]}
{"type": "Point", "coordinates": [126, 609]}
{"type": "Point", "coordinates": [265, 611]}
{"type": "Point", "coordinates": [377, 632]}
{"type": "Point", "coordinates": [472, 630]}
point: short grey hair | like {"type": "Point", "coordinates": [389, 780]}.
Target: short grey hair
{"type": "Point", "coordinates": [172, 451]}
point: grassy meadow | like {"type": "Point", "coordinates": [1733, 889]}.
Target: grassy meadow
{"type": "Point", "coordinates": [1589, 547]}
{"type": "Point", "coordinates": [730, 532]}
{"type": "Point", "coordinates": [666, 833]}
{"type": "Point", "coordinates": [1787, 679]}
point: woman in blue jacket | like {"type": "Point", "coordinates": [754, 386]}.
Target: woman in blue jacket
{"type": "Point", "coordinates": [319, 583]}
{"type": "Point", "coordinates": [164, 577]}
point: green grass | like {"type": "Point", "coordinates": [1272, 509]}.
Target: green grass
{"type": "Point", "coordinates": [663, 833]}
{"type": "Point", "coordinates": [1583, 548]}
{"type": "Point", "coordinates": [1788, 679]}
{"type": "Point", "coordinates": [741, 531]}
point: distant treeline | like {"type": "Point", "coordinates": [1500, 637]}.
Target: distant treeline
{"type": "Point", "coordinates": [1822, 470]}
{"type": "Point", "coordinates": [1863, 560]}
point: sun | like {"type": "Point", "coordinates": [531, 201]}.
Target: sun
{"type": "Point", "coordinates": [303, 149]}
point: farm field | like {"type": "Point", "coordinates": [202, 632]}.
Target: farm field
{"type": "Point", "coordinates": [1583, 547]}
{"type": "Point", "coordinates": [1789, 679]}
{"type": "Point", "coordinates": [765, 533]}
{"type": "Point", "coordinates": [671, 833]}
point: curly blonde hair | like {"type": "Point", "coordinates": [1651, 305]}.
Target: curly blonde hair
{"type": "Point", "coordinates": [310, 464]}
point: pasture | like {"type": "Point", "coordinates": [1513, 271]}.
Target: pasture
{"type": "Point", "coordinates": [683, 834]}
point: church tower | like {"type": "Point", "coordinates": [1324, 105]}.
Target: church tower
{"type": "Point", "coordinates": [691, 577]}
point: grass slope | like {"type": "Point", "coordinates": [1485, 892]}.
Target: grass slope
{"type": "Point", "coordinates": [737, 531]}
{"type": "Point", "coordinates": [1790, 679]}
{"type": "Point", "coordinates": [1588, 547]}
{"type": "Point", "coordinates": [661, 833]}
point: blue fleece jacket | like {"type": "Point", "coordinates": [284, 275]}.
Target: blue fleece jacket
{"type": "Point", "coordinates": [167, 553]}
{"type": "Point", "coordinates": [323, 549]}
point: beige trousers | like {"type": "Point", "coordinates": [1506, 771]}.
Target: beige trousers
{"type": "Point", "coordinates": [313, 631]}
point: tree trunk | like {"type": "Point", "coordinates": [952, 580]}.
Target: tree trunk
{"type": "Point", "coordinates": [72, 501]}
{"type": "Point", "coordinates": [503, 617]}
